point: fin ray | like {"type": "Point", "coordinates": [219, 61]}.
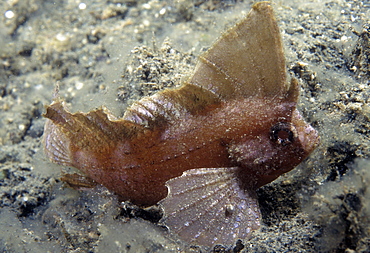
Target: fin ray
{"type": "Point", "coordinates": [203, 204]}
{"type": "Point", "coordinates": [170, 105]}
{"type": "Point", "coordinates": [56, 144]}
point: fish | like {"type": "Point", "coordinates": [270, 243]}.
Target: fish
{"type": "Point", "coordinates": [201, 150]}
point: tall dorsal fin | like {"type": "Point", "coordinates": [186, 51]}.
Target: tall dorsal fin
{"type": "Point", "coordinates": [247, 60]}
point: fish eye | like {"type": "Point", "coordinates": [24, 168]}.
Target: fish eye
{"type": "Point", "coordinates": [283, 133]}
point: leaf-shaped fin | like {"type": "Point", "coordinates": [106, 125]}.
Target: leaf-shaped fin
{"type": "Point", "coordinates": [247, 60]}
{"type": "Point", "coordinates": [170, 105]}
{"type": "Point", "coordinates": [56, 144]}
{"type": "Point", "coordinates": [207, 207]}
{"type": "Point", "coordinates": [66, 132]}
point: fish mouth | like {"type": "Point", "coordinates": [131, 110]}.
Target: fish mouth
{"type": "Point", "coordinates": [307, 135]}
{"type": "Point", "coordinates": [312, 139]}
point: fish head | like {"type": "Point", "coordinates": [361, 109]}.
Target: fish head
{"type": "Point", "coordinates": [276, 150]}
{"type": "Point", "coordinates": [291, 143]}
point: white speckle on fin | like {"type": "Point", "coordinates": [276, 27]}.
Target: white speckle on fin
{"type": "Point", "coordinates": [207, 207]}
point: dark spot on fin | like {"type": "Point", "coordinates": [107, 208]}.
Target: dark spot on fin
{"type": "Point", "coordinates": [207, 207]}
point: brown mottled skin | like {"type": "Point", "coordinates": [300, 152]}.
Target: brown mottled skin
{"type": "Point", "coordinates": [136, 168]}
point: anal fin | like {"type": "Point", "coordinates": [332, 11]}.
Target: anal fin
{"type": "Point", "coordinates": [78, 181]}
{"type": "Point", "coordinates": [207, 207]}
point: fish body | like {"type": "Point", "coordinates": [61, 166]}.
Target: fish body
{"type": "Point", "coordinates": [136, 168]}
{"type": "Point", "coordinates": [202, 149]}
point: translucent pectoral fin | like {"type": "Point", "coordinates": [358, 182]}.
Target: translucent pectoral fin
{"type": "Point", "coordinates": [208, 206]}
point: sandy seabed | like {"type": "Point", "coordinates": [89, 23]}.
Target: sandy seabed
{"type": "Point", "coordinates": [112, 53]}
